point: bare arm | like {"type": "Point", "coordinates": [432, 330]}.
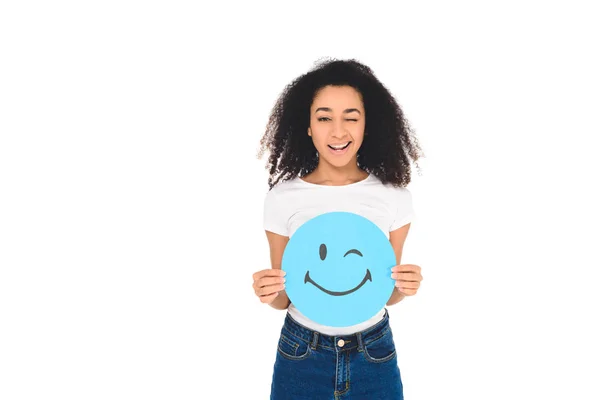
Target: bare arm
{"type": "Point", "coordinates": [277, 245]}
{"type": "Point", "coordinates": [397, 239]}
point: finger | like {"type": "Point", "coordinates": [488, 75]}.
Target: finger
{"type": "Point", "coordinates": [406, 268]}
{"type": "Point", "coordinates": [268, 299]}
{"type": "Point", "coordinates": [266, 281]}
{"type": "Point", "coordinates": [257, 275]}
{"type": "Point", "coordinates": [267, 290]}
{"type": "Point", "coordinates": [408, 285]}
{"type": "Point", "coordinates": [407, 292]}
{"type": "Point", "coordinates": [268, 272]}
{"type": "Point", "coordinates": [407, 276]}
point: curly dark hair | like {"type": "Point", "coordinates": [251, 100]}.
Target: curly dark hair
{"type": "Point", "coordinates": [389, 142]}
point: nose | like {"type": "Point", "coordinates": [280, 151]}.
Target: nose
{"type": "Point", "coordinates": [338, 132]}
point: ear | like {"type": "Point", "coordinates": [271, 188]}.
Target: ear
{"type": "Point", "coordinates": [309, 132]}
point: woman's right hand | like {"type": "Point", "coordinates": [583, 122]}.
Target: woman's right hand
{"type": "Point", "coordinates": [268, 283]}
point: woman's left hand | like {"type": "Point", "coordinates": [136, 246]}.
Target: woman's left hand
{"type": "Point", "coordinates": [408, 278]}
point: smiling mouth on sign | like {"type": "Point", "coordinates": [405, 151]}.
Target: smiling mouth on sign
{"type": "Point", "coordinates": [367, 277]}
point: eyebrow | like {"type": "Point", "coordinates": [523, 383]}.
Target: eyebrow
{"type": "Point", "coordinates": [346, 111]}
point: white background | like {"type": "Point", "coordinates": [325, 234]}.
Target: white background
{"type": "Point", "coordinates": [131, 196]}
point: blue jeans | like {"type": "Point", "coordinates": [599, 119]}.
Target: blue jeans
{"type": "Point", "coordinates": [313, 366]}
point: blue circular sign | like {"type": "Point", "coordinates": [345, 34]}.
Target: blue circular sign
{"type": "Point", "coordinates": [338, 269]}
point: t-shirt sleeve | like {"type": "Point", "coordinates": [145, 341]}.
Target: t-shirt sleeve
{"type": "Point", "coordinates": [274, 219]}
{"type": "Point", "coordinates": [404, 209]}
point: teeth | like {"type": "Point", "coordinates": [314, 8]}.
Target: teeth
{"type": "Point", "coordinates": [338, 147]}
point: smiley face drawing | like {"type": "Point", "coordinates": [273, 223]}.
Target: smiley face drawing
{"type": "Point", "coordinates": [338, 269]}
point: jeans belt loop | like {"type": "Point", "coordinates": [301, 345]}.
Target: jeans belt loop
{"type": "Point", "coordinates": [313, 344]}
{"type": "Point", "coordinates": [360, 342]}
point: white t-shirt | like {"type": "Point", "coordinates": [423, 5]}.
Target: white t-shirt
{"type": "Point", "coordinates": [291, 203]}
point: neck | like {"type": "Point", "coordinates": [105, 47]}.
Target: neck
{"type": "Point", "coordinates": [326, 173]}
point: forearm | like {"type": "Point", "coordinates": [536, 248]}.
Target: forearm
{"type": "Point", "coordinates": [396, 297]}
{"type": "Point", "coordinates": [281, 302]}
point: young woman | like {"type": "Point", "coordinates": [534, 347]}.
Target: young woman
{"type": "Point", "coordinates": [338, 141]}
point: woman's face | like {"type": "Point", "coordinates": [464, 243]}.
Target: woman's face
{"type": "Point", "coordinates": [337, 120]}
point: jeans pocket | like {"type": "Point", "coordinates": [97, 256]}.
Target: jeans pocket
{"type": "Point", "coordinates": [381, 349]}
{"type": "Point", "coordinates": [292, 348]}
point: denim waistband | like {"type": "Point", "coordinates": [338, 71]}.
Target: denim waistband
{"type": "Point", "coordinates": [355, 340]}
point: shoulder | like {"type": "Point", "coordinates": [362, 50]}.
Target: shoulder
{"type": "Point", "coordinates": [401, 197]}
{"type": "Point", "coordinates": [393, 192]}
{"type": "Point", "coordinates": [280, 190]}
{"type": "Point", "coordinates": [283, 186]}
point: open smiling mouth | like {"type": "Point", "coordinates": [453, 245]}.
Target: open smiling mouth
{"type": "Point", "coordinates": [365, 279]}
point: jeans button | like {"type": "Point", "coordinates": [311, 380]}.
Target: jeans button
{"type": "Point", "coordinates": [341, 343]}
